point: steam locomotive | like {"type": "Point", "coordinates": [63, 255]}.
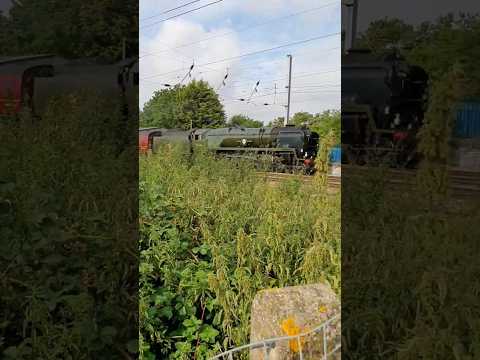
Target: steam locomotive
{"type": "Point", "coordinates": [30, 81]}
{"type": "Point", "coordinates": [284, 149]}
{"type": "Point", "coordinates": [383, 101]}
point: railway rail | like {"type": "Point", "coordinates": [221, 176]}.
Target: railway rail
{"type": "Point", "coordinates": [333, 182]}
{"type": "Point", "coordinates": [462, 183]}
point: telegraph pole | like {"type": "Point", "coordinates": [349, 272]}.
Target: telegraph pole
{"type": "Point", "coordinates": [287, 120]}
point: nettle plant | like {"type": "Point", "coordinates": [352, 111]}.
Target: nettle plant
{"type": "Point", "coordinates": [212, 234]}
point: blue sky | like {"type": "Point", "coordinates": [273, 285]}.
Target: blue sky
{"type": "Point", "coordinates": [232, 29]}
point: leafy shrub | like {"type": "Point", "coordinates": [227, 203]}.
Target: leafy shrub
{"type": "Point", "coordinates": [409, 273]}
{"type": "Point", "coordinates": [68, 233]}
{"type": "Point", "coordinates": [212, 234]}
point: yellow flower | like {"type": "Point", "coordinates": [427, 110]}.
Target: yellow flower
{"type": "Point", "coordinates": [322, 309]}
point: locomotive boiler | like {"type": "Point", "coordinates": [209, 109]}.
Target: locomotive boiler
{"type": "Point", "coordinates": [283, 149]}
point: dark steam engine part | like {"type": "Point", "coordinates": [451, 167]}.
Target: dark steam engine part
{"type": "Point", "coordinates": [383, 102]}
{"type": "Point", "coordinates": [30, 82]}
{"type": "Point", "coordinates": [284, 149]}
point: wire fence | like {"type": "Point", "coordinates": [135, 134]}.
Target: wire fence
{"type": "Point", "coordinates": [321, 343]}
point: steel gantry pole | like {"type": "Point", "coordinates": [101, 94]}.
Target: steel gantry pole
{"type": "Point", "coordinates": [287, 120]}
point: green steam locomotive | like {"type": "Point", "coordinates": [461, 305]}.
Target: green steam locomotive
{"type": "Point", "coordinates": [282, 149]}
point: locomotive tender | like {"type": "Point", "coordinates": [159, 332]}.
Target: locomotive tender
{"type": "Point", "coordinates": [285, 149]}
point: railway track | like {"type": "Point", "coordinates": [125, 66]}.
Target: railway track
{"type": "Point", "coordinates": [462, 184]}
{"type": "Point", "coordinates": [334, 182]}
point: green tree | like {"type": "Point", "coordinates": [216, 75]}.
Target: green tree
{"type": "Point", "coordinates": [386, 33]}
{"type": "Point", "coordinates": [447, 43]}
{"type": "Point", "coordinates": [435, 46]}
{"type": "Point", "coordinates": [328, 123]}
{"type": "Point", "coordinates": [194, 105]}
{"type": "Point", "coordinates": [161, 110]}
{"type": "Point", "coordinates": [199, 106]}
{"type": "Point", "coordinates": [245, 121]}
{"type": "Point", "coordinates": [74, 29]}
{"type": "Point", "coordinates": [302, 118]}
{"type": "Point", "coordinates": [277, 122]}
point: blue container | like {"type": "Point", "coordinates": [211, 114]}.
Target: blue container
{"type": "Point", "coordinates": [468, 120]}
{"type": "Point", "coordinates": [335, 155]}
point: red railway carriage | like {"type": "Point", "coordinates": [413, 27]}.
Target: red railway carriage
{"type": "Point", "coordinates": [145, 138]}
{"type": "Point", "coordinates": [10, 94]}
{"type": "Point", "coordinates": [32, 80]}
{"type": "Point", "coordinates": [17, 80]}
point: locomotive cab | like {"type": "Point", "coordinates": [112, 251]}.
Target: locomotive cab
{"type": "Point", "coordinates": [382, 108]}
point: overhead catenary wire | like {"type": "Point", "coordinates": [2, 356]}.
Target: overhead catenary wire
{"type": "Point", "coordinates": [249, 64]}
{"type": "Point", "coordinates": [251, 53]}
{"type": "Point", "coordinates": [234, 81]}
{"type": "Point", "coordinates": [223, 83]}
{"type": "Point", "coordinates": [247, 28]}
{"type": "Point", "coordinates": [255, 90]}
{"type": "Point", "coordinates": [242, 79]}
{"type": "Point", "coordinates": [255, 64]}
{"type": "Point", "coordinates": [294, 76]}
{"type": "Point", "coordinates": [170, 10]}
{"type": "Point", "coordinates": [183, 13]}
{"type": "Point", "coordinates": [188, 74]}
{"type": "Point", "coordinates": [264, 80]}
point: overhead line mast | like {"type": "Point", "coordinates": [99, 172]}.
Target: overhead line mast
{"type": "Point", "coordinates": [351, 24]}
{"type": "Point", "coordinates": [287, 120]}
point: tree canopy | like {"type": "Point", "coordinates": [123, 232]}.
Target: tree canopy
{"type": "Point", "coordinates": [302, 118]}
{"type": "Point", "coordinates": [277, 121]}
{"type": "Point", "coordinates": [326, 123]}
{"type": "Point", "coordinates": [245, 121]}
{"type": "Point", "coordinates": [438, 47]}
{"type": "Point", "coordinates": [194, 105]}
{"type": "Point", "coordinates": [73, 29]}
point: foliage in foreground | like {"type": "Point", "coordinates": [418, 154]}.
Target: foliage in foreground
{"type": "Point", "coordinates": [410, 281]}
{"type": "Point", "coordinates": [212, 235]}
{"type": "Point", "coordinates": [67, 234]}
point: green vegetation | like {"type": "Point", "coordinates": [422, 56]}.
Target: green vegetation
{"type": "Point", "coordinates": [277, 121]}
{"type": "Point", "coordinates": [194, 105]}
{"type": "Point", "coordinates": [326, 123]}
{"type": "Point", "coordinates": [68, 230]}
{"type": "Point", "coordinates": [451, 41]}
{"type": "Point", "coordinates": [212, 234]}
{"type": "Point", "coordinates": [244, 121]}
{"type": "Point", "coordinates": [73, 29]}
{"type": "Point", "coordinates": [410, 277]}
{"type": "Point", "coordinates": [448, 50]}
{"type": "Point", "coordinates": [416, 296]}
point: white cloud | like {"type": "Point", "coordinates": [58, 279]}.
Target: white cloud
{"type": "Point", "coordinates": [314, 86]}
{"type": "Point", "coordinates": [160, 62]}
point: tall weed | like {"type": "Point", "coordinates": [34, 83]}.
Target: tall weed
{"type": "Point", "coordinates": [213, 234]}
{"type": "Point", "coordinates": [68, 233]}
